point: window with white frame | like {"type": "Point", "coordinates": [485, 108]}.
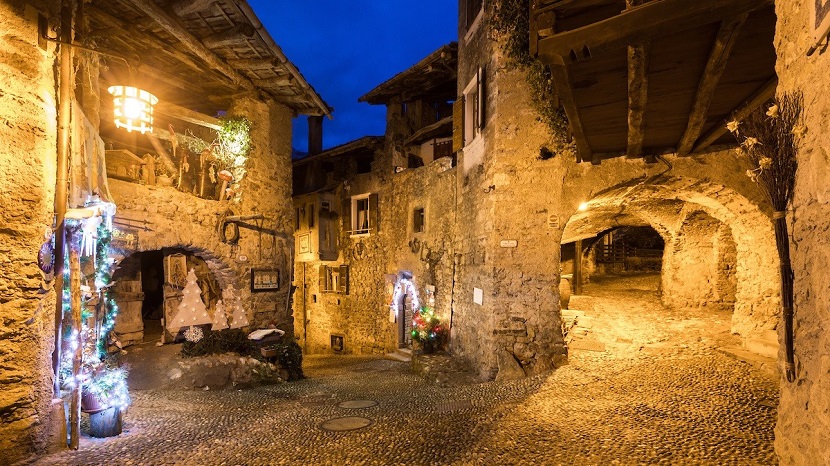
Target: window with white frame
{"type": "Point", "coordinates": [364, 214]}
{"type": "Point", "coordinates": [473, 108]}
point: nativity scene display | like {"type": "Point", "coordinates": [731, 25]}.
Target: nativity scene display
{"type": "Point", "coordinates": [205, 162]}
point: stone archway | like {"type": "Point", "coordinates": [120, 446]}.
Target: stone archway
{"type": "Point", "coordinates": [133, 288]}
{"type": "Point", "coordinates": [698, 220]}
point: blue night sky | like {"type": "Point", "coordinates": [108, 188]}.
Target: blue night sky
{"type": "Point", "coordinates": [345, 48]}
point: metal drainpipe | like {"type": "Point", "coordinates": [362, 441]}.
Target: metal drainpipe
{"type": "Point", "coordinates": [64, 121]}
{"type": "Point", "coordinates": [305, 315]}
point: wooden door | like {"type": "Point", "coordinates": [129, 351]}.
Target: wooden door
{"type": "Point", "coordinates": [128, 295]}
{"type": "Point", "coordinates": [175, 279]}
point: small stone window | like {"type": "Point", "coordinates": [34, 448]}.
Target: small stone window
{"type": "Point", "coordinates": [418, 220]}
{"type": "Point", "coordinates": [334, 279]}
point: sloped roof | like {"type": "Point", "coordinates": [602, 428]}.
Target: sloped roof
{"type": "Point", "coordinates": [198, 54]}
{"type": "Point", "coordinates": [436, 73]}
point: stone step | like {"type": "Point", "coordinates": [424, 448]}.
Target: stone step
{"type": "Point", "coordinates": [768, 365]}
{"type": "Point", "coordinates": [401, 354]}
{"type": "Point", "coordinates": [762, 347]}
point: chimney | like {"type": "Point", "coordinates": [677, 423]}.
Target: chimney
{"type": "Point", "coordinates": [315, 134]}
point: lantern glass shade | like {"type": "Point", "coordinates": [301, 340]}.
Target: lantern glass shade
{"type": "Point", "coordinates": [132, 108]}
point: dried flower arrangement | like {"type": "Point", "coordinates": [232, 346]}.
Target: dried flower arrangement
{"type": "Point", "coordinates": [769, 138]}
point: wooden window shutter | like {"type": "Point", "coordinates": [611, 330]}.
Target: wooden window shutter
{"type": "Point", "coordinates": [324, 275]}
{"type": "Point", "coordinates": [346, 215]}
{"type": "Point", "coordinates": [374, 213]}
{"type": "Point", "coordinates": [458, 124]}
{"type": "Point", "coordinates": [481, 98]}
{"type": "Point", "coordinates": [344, 279]}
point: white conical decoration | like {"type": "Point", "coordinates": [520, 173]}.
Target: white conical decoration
{"type": "Point", "coordinates": [233, 305]}
{"type": "Point", "coordinates": [220, 319]}
{"type": "Point", "coordinates": [192, 310]}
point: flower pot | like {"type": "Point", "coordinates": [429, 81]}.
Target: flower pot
{"type": "Point", "coordinates": [428, 346]}
{"type": "Point", "coordinates": [90, 403]}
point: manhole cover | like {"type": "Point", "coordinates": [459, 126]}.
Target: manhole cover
{"type": "Point", "coordinates": [357, 404]}
{"type": "Point", "coordinates": [340, 424]}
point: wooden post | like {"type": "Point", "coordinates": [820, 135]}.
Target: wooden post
{"type": "Point", "coordinates": [578, 267]}
{"type": "Point", "coordinates": [77, 358]}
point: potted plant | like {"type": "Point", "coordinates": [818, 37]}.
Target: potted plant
{"type": "Point", "coordinates": [427, 329]}
{"type": "Point", "coordinates": [106, 388]}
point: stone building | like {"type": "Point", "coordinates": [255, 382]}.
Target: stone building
{"type": "Point", "coordinates": [376, 210]}
{"type": "Point", "coordinates": [200, 60]}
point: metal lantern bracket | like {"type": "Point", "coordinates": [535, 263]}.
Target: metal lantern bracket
{"type": "Point", "coordinates": [133, 63]}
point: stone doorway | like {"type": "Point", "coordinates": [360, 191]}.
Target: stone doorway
{"type": "Point", "coordinates": [148, 290]}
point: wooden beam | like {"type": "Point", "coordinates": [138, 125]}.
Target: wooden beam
{"type": "Point", "coordinates": [254, 63]}
{"type": "Point", "coordinates": [278, 81]}
{"type": "Point", "coordinates": [179, 31]}
{"type": "Point", "coordinates": [766, 92]}
{"type": "Point", "coordinates": [718, 58]}
{"type": "Point", "coordinates": [637, 97]}
{"type": "Point", "coordinates": [187, 7]}
{"type": "Point", "coordinates": [640, 24]}
{"type": "Point", "coordinates": [234, 35]}
{"type": "Point", "coordinates": [185, 114]}
{"type": "Point", "coordinates": [564, 89]}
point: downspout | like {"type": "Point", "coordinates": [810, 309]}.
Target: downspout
{"type": "Point", "coordinates": [305, 315]}
{"type": "Point", "coordinates": [64, 120]}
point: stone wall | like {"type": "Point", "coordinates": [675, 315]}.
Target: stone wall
{"type": "Point", "coordinates": [27, 166]}
{"type": "Point", "coordinates": [179, 220]}
{"type": "Point", "coordinates": [362, 315]}
{"type": "Point", "coordinates": [516, 209]}
{"type": "Point", "coordinates": [802, 435]}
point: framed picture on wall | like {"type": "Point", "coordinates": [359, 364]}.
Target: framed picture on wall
{"type": "Point", "coordinates": [819, 18]}
{"type": "Point", "coordinates": [265, 280]}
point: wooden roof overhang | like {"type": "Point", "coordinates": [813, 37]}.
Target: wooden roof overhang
{"type": "Point", "coordinates": [196, 55]}
{"type": "Point", "coordinates": [640, 80]}
{"type": "Point", "coordinates": [433, 76]}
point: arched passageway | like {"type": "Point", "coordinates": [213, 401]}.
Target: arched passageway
{"type": "Point", "coordinates": [717, 260]}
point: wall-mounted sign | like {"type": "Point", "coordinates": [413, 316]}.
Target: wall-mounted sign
{"type": "Point", "coordinates": [304, 244]}
{"type": "Point", "coordinates": [478, 296]}
{"type": "Point", "coordinates": [553, 221]}
{"type": "Point", "coordinates": [265, 280]}
{"type": "Point", "coordinates": [508, 243]}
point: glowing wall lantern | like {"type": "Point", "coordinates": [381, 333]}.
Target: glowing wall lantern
{"type": "Point", "coordinates": [133, 108]}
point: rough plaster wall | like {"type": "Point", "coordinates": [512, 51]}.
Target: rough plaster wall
{"type": "Point", "coordinates": [691, 280]}
{"type": "Point", "coordinates": [27, 166]}
{"type": "Point", "coordinates": [802, 435]}
{"type": "Point", "coordinates": [726, 254]}
{"type": "Point", "coordinates": [177, 219]}
{"type": "Point", "coordinates": [266, 190]}
{"type": "Point", "coordinates": [429, 254]}
{"type": "Point", "coordinates": [473, 324]}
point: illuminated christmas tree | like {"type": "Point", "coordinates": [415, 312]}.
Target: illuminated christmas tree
{"type": "Point", "coordinates": [239, 318]}
{"type": "Point", "coordinates": [192, 310]}
{"type": "Point", "coordinates": [220, 319]}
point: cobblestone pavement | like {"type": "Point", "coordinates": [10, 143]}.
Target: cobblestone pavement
{"type": "Point", "coordinates": [662, 394]}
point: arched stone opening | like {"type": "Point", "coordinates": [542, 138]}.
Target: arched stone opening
{"type": "Point", "coordinates": [704, 259]}
{"type": "Point", "coordinates": [719, 247]}
{"type": "Point", "coordinates": [148, 288]}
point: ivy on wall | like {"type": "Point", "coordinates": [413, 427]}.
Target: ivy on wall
{"type": "Point", "coordinates": [510, 27]}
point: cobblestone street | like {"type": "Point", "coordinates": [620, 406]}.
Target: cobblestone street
{"type": "Point", "coordinates": [660, 393]}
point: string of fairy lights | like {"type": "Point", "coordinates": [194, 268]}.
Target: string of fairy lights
{"type": "Point", "coordinates": [99, 374]}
